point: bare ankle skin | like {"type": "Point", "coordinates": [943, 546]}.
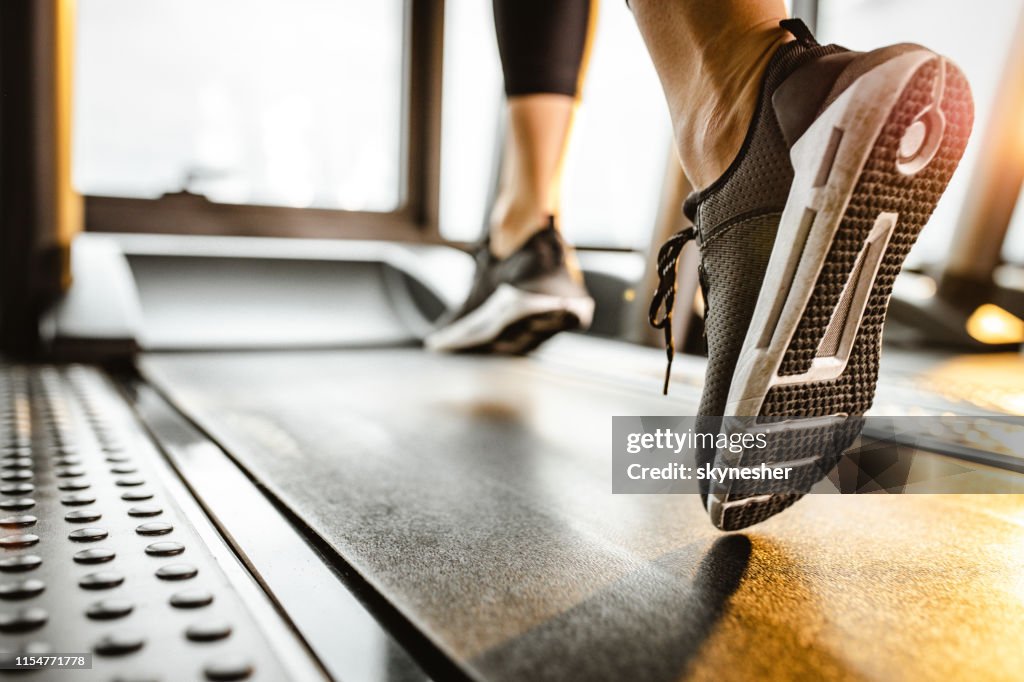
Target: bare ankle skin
{"type": "Point", "coordinates": [710, 56]}
{"type": "Point", "coordinates": [514, 220]}
{"type": "Point", "coordinates": [530, 188]}
{"type": "Point", "coordinates": [709, 136]}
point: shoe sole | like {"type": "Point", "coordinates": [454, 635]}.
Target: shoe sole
{"type": "Point", "coordinates": [513, 321]}
{"type": "Point", "coordinates": [868, 174]}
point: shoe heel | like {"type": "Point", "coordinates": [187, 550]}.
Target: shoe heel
{"type": "Point", "coordinates": [785, 459]}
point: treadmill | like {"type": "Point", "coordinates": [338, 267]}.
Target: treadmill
{"type": "Point", "coordinates": [202, 480]}
{"type": "Point", "coordinates": [377, 512]}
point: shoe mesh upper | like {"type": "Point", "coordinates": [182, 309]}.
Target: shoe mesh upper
{"type": "Point", "coordinates": [540, 265]}
{"type": "Point", "coordinates": [734, 262]}
{"type": "Point", "coordinates": [738, 218]}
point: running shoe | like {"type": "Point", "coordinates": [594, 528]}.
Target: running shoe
{"type": "Point", "coordinates": [517, 303]}
{"type": "Point", "coordinates": [802, 237]}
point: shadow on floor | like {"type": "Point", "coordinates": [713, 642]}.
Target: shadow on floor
{"type": "Point", "coordinates": [646, 626]}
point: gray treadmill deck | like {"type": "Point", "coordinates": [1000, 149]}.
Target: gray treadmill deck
{"type": "Point", "coordinates": [474, 493]}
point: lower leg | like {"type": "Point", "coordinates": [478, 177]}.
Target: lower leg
{"type": "Point", "coordinates": [543, 46]}
{"type": "Point", "coordinates": [538, 134]}
{"type": "Point", "coordinates": [710, 56]}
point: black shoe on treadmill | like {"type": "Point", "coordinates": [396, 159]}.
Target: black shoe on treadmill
{"type": "Point", "coordinates": [517, 303]}
{"type": "Point", "coordinates": [802, 237]}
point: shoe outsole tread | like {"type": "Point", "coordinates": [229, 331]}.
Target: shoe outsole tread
{"type": "Point", "coordinates": [881, 187]}
{"type": "Point", "coordinates": [527, 333]}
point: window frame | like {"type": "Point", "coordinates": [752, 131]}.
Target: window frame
{"type": "Point", "coordinates": [416, 219]}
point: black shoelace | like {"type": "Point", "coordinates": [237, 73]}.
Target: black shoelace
{"type": "Point", "coordinates": [665, 294]}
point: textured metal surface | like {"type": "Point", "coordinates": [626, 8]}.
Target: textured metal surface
{"type": "Point", "coordinates": [119, 570]}
{"type": "Point", "coordinates": [475, 494]}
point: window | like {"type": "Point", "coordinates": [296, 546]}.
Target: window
{"type": "Point", "coordinates": [622, 141]}
{"type": "Point", "coordinates": [294, 103]}
{"type": "Point", "coordinates": [471, 112]}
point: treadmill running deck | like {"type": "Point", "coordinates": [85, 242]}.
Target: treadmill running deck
{"type": "Point", "coordinates": [475, 494]}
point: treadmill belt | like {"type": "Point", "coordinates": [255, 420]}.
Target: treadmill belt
{"type": "Point", "coordinates": [475, 494]}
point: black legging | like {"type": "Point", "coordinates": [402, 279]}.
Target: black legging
{"type": "Point", "coordinates": [543, 44]}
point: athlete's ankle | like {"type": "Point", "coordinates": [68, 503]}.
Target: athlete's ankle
{"type": "Point", "coordinates": [710, 132]}
{"type": "Point", "coordinates": [513, 223]}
